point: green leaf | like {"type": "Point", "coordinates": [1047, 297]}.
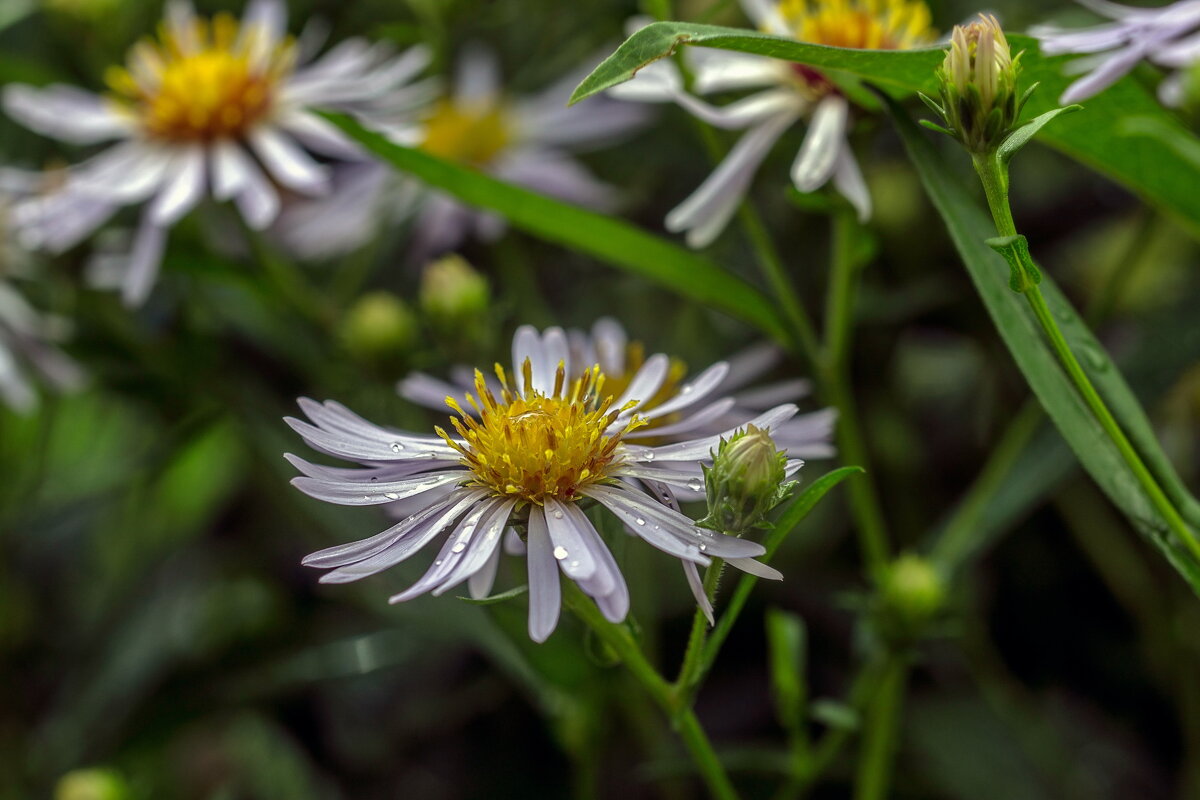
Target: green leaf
{"type": "Point", "coordinates": [805, 502]}
{"type": "Point", "coordinates": [496, 598]}
{"type": "Point", "coordinates": [1158, 174]}
{"type": "Point", "coordinates": [1024, 134]}
{"type": "Point", "coordinates": [905, 70]}
{"type": "Point", "coordinates": [787, 643]}
{"type": "Point", "coordinates": [611, 240]}
{"type": "Point", "coordinates": [969, 227]}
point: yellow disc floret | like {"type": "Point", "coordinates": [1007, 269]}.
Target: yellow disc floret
{"type": "Point", "coordinates": [469, 134]}
{"type": "Point", "coordinates": [861, 24]}
{"type": "Point", "coordinates": [530, 445]}
{"type": "Point", "coordinates": [209, 81]}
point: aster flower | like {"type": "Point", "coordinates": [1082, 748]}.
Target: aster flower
{"type": "Point", "coordinates": [527, 141]}
{"type": "Point", "coordinates": [211, 108]}
{"type": "Point", "coordinates": [528, 457]}
{"type": "Point", "coordinates": [789, 92]}
{"type": "Point", "coordinates": [674, 407]}
{"type": "Point", "coordinates": [1168, 36]}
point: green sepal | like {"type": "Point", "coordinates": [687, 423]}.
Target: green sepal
{"type": "Point", "coordinates": [1015, 249]}
{"type": "Point", "coordinates": [1022, 135]}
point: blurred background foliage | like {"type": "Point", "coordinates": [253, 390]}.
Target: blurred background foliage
{"type": "Point", "coordinates": [158, 637]}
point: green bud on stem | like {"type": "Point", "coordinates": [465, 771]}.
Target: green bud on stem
{"type": "Point", "coordinates": [747, 480]}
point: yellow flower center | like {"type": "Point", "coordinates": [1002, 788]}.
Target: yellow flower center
{"type": "Point", "coordinates": [860, 24]}
{"type": "Point", "coordinates": [531, 446]}
{"type": "Point", "coordinates": [216, 80]}
{"type": "Point", "coordinates": [472, 135]}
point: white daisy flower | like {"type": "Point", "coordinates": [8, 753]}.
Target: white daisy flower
{"type": "Point", "coordinates": [28, 339]}
{"type": "Point", "coordinates": [674, 407]}
{"type": "Point", "coordinates": [789, 92]}
{"type": "Point", "coordinates": [1168, 36]}
{"type": "Point", "coordinates": [211, 108]}
{"type": "Point", "coordinates": [527, 141]}
{"type": "Point", "coordinates": [529, 458]}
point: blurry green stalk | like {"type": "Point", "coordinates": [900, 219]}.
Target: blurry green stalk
{"type": "Point", "coordinates": [994, 176]}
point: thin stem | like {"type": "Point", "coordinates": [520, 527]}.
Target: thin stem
{"type": "Point", "coordinates": [619, 638]}
{"type": "Point", "coordinates": [835, 374]}
{"type": "Point", "coordinates": [691, 671]}
{"type": "Point", "coordinates": [879, 738]}
{"type": "Point", "coordinates": [995, 185]}
{"type": "Point", "coordinates": [288, 280]}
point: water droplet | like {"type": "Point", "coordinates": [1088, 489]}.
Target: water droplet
{"type": "Point", "coordinates": [558, 514]}
{"type": "Point", "coordinates": [695, 485]}
{"type": "Point", "coordinates": [686, 389]}
{"type": "Point", "coordinates": [397, 447]}
{"type": "Point", "coordinates": [574, 564]}
{"type": "Point", "coordinates": [640, 521]}
{"type": "Point", "coordinates": [392, 496]}
{"type": "Point", "coordinates": [437, 563]}
{"type": "Point", "coordinates": [374, 478]}
{"type": "Point", "coordinates": [649, 455]}
{"type": "Point", "coordinates": [703, 547]}
{"type": "Point", "coordinates": [1096, 359]}
{"type": "Point", "coordinates": [658, 527]}
{"type": "Point", "coordinates": [458, 547]}
{"type": "Point", "coordinates": [560, 553]}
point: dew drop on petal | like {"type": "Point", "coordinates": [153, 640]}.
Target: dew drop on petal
{"type": "Point", "coordinates": [392, 496]}
{"type": "Point", "coordinates": [640, 521]}
{"type": "Point", "coordinates": [560, 553]}
{"type": "Point", "coordinates": [695, 485]}
{"type": "Point", "coordinates": [558, 514]}
{"type": "Point", "coordinates": [397, 447]}
{"type": "Point", "coordinates": [459, 547]}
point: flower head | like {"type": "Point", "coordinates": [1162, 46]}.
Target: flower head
{"type": "Point", "coordinates": [525, 140]}
{"type": "Point", "coordinates": [789, 92]}
{"type": "Point", "coordinates": [1166, 36]}
{"type": "Point", "coordinates": [979, 85]}
{"type": "Point", "coordinates": [520, 468]}
{"type": "Point", "coordinates": [672, 405]}
{"type": "Point", "coordinates": [216, 108]}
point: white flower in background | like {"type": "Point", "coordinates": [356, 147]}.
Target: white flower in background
{"type": "Point", "coordinates": [527, 456]}
{"type": "Point", "coordinates": [212, 108]}
{"type": "Point", "coordinates": [527, 141]}
{"type": "Point", "coordinates": [1168, 36]}
{"type": "Point", "coordinates": [673, 407]}
{"type": "Point", "coordinates": [789, 92]}
{"type": "Point", "coordinates": [28, 339]}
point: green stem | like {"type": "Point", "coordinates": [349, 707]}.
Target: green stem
{"type": "Point", "coordinates": [289, 282]}
{"type": "Point", "coordinates": [879, 738]}
{"type": "Point", "coordinates": [995, 185]}
{"type": "Point", "coordinates": [621, 641]}
{"type": "Point", "coordinates": [691, 671]}
{"type": "Point", "coordinates": [834, 371]}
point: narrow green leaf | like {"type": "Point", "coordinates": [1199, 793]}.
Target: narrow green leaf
{"type": "Point", "coordinates": [805, 502]}
{"type": "Point", "coordinates": [787, 643]}
{"type": "Point", "coordinates": [611, 240]}
{"type": "Point", "coordinates": [1161, 175]}
{"type": "Point", "coordinates": [969, 227]}
{"type": "Point", "coordinates": [1024, 134]}
{"type": "Point", "coordinates": [496, 598]}
{"type": "Point", "coordinates": [901, 69]}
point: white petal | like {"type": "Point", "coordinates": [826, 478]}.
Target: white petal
{"type": "Point", "coordinates": [818, 157]}
{"type": "Point", "coordinates": [848, 180]}
{"type": "Point", "coordinates": [66, 113]}
{"type": "Point", "coordinates": [184, 187]}
{"type": "Point", "coordinates": [287, 163]}
{"type": "Point", "coordinates": [144, 261]}
{"type": "Point", "coordinates": [545, 598]}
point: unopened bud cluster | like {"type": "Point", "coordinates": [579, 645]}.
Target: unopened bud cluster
{"type": "Point", "coordinates": [747, 480]}
{"type": "Point", "coordinates": [978, 86]}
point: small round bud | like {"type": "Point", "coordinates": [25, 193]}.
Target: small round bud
{"type": "Point", "coordinates": [91, 784]}
{"type": "Point", "coordinates": [979, 85]}
{"type": "Point", "coordinates": [379, 327]}
{"type": "Point", "coordinates": [452, 292]}
{"type": "Point", "coordinates": [746, 480]}
{"type": "Point", "coordinates": [913, 591]}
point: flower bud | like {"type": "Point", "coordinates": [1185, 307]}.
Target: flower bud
{"type": "Point", "coordinates": [913, 591]}
{"type": "Point", "coordinates": [379, 327]}
{"type": "Point", "coordinates": [747, 480]}
{"type": "Point", "coordinates": [91, 784]}
{"type": "Point", "coordinates": [452, 292]}
{"type": "Point", "coordinates": [979, 85]}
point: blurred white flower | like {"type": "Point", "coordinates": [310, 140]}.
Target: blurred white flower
{"type": "Point", "coordinates": [716, 400]}
{"type": "Point", "coordinates": [789, 92]}
{"type": "Point", "coordinates": [212, 108]}
{"type": "Point", "coordinates": [533, 451]}
{"type": "Point", "coordinates": [527, 141]}
{"type": "Point", "coordinates": [1168, 36]}
{"type": "Point", "coordinates": [28, 339]}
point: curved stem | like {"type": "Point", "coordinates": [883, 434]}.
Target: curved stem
{"type": "Point", "coordinates": [621, 641]}
{"type": "Point", "coordinates": [865, 505]}
{"type": "Point", "coordinates": [994, 178]}
{"type": "Point", "coordinates": [692, 670]}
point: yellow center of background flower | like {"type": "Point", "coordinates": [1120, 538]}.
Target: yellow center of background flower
{"type": "Point", "coordinates": [214, 81]}
{"type": "Point", "coordinates": [861, 24]}
{"type": "Point", "coordinates": [531, 446]}
{"type": "Point", "coordinates": [467, 135]}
